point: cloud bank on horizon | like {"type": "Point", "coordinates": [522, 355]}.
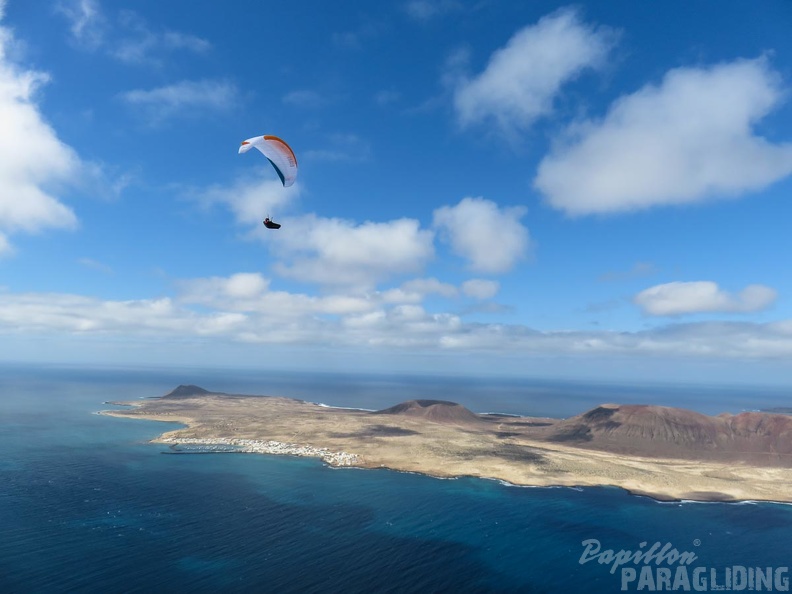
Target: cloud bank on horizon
{"type": "Point", "coordinates": [491, 248]}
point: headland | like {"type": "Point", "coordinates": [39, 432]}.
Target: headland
{"type": "Point", "coordinates": [664, 453]}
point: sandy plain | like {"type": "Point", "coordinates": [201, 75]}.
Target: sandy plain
{"type": "Point", "coordinates": [505, 448]}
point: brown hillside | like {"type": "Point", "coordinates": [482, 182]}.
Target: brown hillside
{"type": "Point", "coordinates": [437, 411]}
{"type": "Point", "coordinates": [186, 391]}
{"type": "Point", "coordinates": [660, 431]}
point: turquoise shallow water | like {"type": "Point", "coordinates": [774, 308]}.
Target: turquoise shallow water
{"type": "Point", "coordinates": [87, 505]}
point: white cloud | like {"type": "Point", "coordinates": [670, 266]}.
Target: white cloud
{"type": "Point", "coordinates": [493, 239]}
{"type": "Point", "coordinates": [680, 298]}
{"type": "Point", "coordinates": [340, 252]}
{"type": "Point", "coordinates": [245, 285]}
{"type": "Point", "coordinates": [397, 295]}
{"type": "Point", "coordinates": [87, 24]}
{"type": "Point", "coordinates": [250, 293]}
{"type": "Point", "coordinates": [402, 326]}
{"type": "Point", "coordinates": [480, 288]}
{"type": "Point", "coordinates": [125, 36]}
{"type": "Point", "coordinates": [331, 252]}
{"type": "Point", "coordinates": [429, 286]}
{"type": "Point", "coordinates": [242, 308]}
{"type": "Point", "coordinates": [522, 79]}
{"type": "Point", "coordinates": [64, 313]}
{"type": "Point", "coordinates": [143, 48]}
{"type": "Point", "coordinates": [686, 140]}
{"type": "Point", "coordinates": [34, 163]}
{"type": "Point", "coordinates": [414, 291]}
{"type": "Point", "coordinates": [252, 199]}
{"type": "Point", "coordinates": [184, 98]}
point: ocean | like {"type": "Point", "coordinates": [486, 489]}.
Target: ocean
{"type": "Point", "coordinates": [88, 505]}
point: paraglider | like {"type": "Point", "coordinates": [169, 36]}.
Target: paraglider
{"type": "Point", "coordinates": [282, 158]}
{"type": "Point", "coordinates": [279, 154]}
{"type": "Point", "coordinates": [270, 224]}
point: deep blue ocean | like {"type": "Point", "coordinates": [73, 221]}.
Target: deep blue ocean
{"type": "Point", "coordinates": [87, 505]}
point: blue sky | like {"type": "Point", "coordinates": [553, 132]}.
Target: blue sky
{"type": "Point", "coordinates": [596, 190]}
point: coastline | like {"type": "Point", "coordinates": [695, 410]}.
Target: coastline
{"type": "Point", "coordinates": [353, 438]}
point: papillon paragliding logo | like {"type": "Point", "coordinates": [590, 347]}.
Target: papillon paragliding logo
{"type": "Point", "coordinates": [662, 567]}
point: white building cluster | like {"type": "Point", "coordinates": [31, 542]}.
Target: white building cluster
{"type": "Point", "coordinates": [271, 447]}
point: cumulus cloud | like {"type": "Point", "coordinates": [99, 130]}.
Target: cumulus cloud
{"type": "Point", "coordinates": [400, 326]}
{"type": "Point", "coordinates": [686, 140]}
{"type": "Point", "coordinates": [340, 252]}
{"type": "Point", "coordinates": [522, 79]}
{"type": "Point", "coordinates": [327, 251]}
{"type": "Point", "coordinates": [245, 285]}
{"type": "Point", "coordinates": [492, 238]}
{"type": "Point", "coordinates": [414, 291]}
{"type": "Point", "coordinates": [250, 293]}
{"type": "Point", "coordinates": [678, 298]}
{"type": "Point", "coordinates": [34, 163]}
{"type": "Point", "coordinates": [250, 199]}
{"type": "Point", "coordinates": [480, 288]}
{"type": "Point", "coordinates": [429, 286]}
{"type": "Point", "coordinates": [183, 98]}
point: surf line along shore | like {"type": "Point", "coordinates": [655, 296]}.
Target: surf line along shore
{"type": "Point", "coordinates": [665, 453]}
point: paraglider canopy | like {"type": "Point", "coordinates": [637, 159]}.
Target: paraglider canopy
{"type": "Point", "coordinates": [279, 154]}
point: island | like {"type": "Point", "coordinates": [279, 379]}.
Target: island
{"type": "Point", "coordinates": [669, 454]}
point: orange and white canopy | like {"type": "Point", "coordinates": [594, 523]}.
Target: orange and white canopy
{"type": "Point", "coordinates": [279, 154]}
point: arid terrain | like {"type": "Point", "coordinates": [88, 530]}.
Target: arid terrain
{"type": "Point", "coordinates": [666, 453]}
